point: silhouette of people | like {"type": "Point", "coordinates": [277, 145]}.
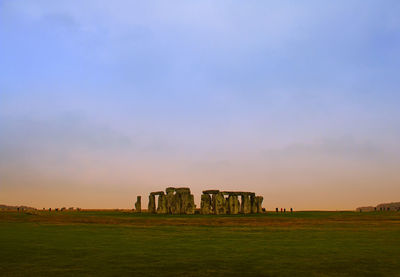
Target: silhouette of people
{"type": "Point", "coordinates": [277, 210]}
{"type": "Point", "coordinates": [291, 210]}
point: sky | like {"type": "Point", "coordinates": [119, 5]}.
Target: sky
{"type": "Point", "coordinates": [101, 101]}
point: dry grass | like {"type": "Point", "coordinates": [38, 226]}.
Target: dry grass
{"type": "Point", "coordinates": [296, 220]}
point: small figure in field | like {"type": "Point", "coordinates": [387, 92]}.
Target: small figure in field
{"type": "Point", "coordinates": [277, 210]}
{"type": "Point", "coordinates": [284, 210]}
{"type": "Point", "coordinates": [281, 210]}
{"type": "Point", "coordinates": [291, 210]}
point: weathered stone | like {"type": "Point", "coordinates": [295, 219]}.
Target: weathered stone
{"type": "Point", "coordinates": [245, 205]}
{"type": "Point", "coordinates": [162, 204]}
{"type": "Point", "coordinates": [205, 206]}
{"type": "Point", "coordinates": [238, 193]}
{"type": "Point", "coordinates": [152, 204]}
{"type": "Point", "coordinates": [253, 204]}
{"type": "Point", "coordinates": [219, 204]}
{"type": "Point", "coordinates": [233, 204]}
{"type": "Point", "coordinates": [229, 193]}
{"type": "Point", "coordinates": [190, 206]}
{"type": "Point", "coordinates": [182, 190]}
{"type": "Point", "coordinates": [237, 203]}
{"type": "Point", "coordinates": [186, 201]}
{"type": "Point", "coordinates": [181, 201]}
{"type": "Point", "coordinates": [211, 191]}
{"type": "Point", "coordinates": [213, 203]}
{"type": "Point", "coordinates": [176, 204]}
{"type": "Point", "coordinates": [170, 199]}
{"type": "Point", "coordinates": [259, 204]}
{"type": "Point", "coordinates": [157, 193]}
{"type": "Point", "coordinates": [138, 204]}
{"type": "Point", "coordinates": [184, 198]}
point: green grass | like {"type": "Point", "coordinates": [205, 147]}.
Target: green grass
{"type": "Point", "coordinates": [111, 243]}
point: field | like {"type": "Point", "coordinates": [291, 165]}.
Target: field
{"type": "Point", "coordinates": [118, 243]}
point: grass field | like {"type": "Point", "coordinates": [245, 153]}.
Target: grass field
{"type": "Point", "coordinates": [115, 243]}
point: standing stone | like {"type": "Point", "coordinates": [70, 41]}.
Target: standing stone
{"type": "Point", "coordinates": [138, 204]}
{"type": "Point", "coordinates": [162, 204]}
{"type": "Point", "coordinates": [184, 200]}
{"type": "Point", "coordinates": [181, 201]}
{"type": "Point", "coordinates": [190, 206]}
{"type": "Point", "coordinates": [246, 205]}
{"type": "Point", "coordinates": [170, 199]}
{"type": "Point", "coordinates": [253, 204]}
{"type": "Point", "coordinates": [259, 204]}
{"type": "Point", "coordinates": [233, 204]}
{"type": "Point", "coordinates": [205, 206]}
{"type": "Point", "coordinates": [219, 204]}
{"type": "Point", "coordinates": [237, 203]}
{"type": "Point", "coordinates": [152, 204]}
{"type": "Point", "coordinates": [176, 204]}
{"type": "Point", "coordinates": [213, 203]}
{"type": "Point", "coordinates": [230, 204]}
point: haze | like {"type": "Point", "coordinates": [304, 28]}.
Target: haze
{"type": "Point", "coordinates": [101, 101]}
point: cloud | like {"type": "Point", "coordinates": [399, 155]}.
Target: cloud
{"type": "Point", "coordinates": [97, 93]}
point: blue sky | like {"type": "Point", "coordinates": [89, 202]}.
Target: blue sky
{"type": "Point", "coordinates": [104, 100]}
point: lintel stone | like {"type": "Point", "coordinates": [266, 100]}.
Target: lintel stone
{"type": "Point", "coordinates": [211, 191]}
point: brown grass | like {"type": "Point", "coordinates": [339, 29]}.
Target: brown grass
{"type": "Point", "coordinates": [332, 220]}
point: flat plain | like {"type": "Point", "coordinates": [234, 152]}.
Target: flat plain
{"type": "Point", "coordinates": [122, 243]}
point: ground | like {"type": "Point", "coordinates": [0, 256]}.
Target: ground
{"type": "Point", "coordinates": [121, 243]}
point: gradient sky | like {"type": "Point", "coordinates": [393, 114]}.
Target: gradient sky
{"type": "Point", "coordinates": [101, 101]}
